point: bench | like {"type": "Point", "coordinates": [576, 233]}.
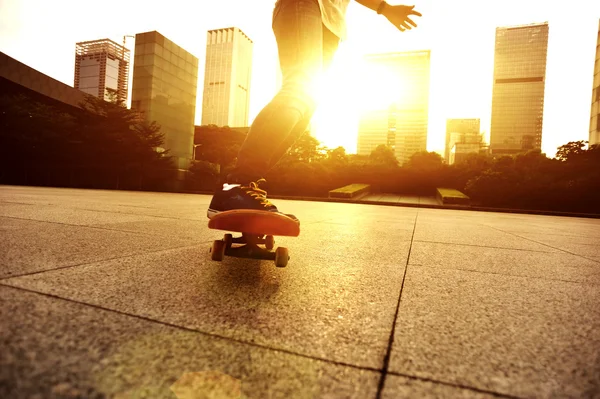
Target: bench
{"type": "Point", "coordinates": [350, 191]}
{"type": "Point", "coordinates": [450, 196]}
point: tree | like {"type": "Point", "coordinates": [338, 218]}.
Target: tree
{"type": "Point", "coordinates": [475, 162]}
{"type": "Point", "coordinates": [384, 156]}
{"type": "Point", "coordinates": [492, 188]}
{"type": "Point", "coordinates": [571, 150]}
{"type": "Point", "coordinates": [218, 145]}
{"type": "Point", "coordinates": [337, 157]}
{"type": "Point", "coordinates": [471, 165]}
{"type": "Point", "coordinates": [306, 149]}
{"type": "Point", "coordinates": [119, 138]}
{"type": "Point", "coordinates": [204, 175]}
{"type": "Point", "coordinates": [425, 161]}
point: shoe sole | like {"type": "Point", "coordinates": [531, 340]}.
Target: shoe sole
{"type": "Point", "coordinates": [211, 213]}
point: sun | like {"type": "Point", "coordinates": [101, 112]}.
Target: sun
{"type": "Point", "coordinates": [349, 88]}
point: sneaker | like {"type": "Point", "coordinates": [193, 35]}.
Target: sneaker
{"type": "Point", "coordinates": [239, 196]}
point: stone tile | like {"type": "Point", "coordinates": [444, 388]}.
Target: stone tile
{"type": "Point", "coordinates": [335, 300]}
{"type": "Point", "coordinates": [31, 246]}
{"type": "Point", "coordinates": [557, 266]}
{"type": "Point", "coordinates": [589, 251]}
{"type": "Point", "coordinates": [53, 348]}
{"type": "Point", "coordinates": [450, 216]}
{"type": "Point", "coordinates": [472, 234]}
{"type": "Point", "coordinates": [193, 230]}
{"type": "Point", "coordinates": [512, 335]}
{"type": "Point", "coordinates": [580, 245]}
{"type": "Point", "coordinates": [374, 217]}
{"type": "Point", "coordinates": [402, 387]}
{"type": "Point", "coordinates": [547, 225]}
{"type": "Point", "coordinates": [65, 215]}
{"type": "Point", "coordinates": [59, 205]}
{"type": "Point", "coordinates": [551, 238]}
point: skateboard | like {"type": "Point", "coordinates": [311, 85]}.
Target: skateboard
{"type": "Point", "coordinates": [257, 230]}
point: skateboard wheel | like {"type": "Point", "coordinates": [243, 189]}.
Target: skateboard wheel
{"type": "Point", "coordinates": [218, 250]}
{"type": "Point", "coordinates": [269, 242]}
{"type": "Point", "coordinates": [281, 257]}
{"type": "Point", "coordinates": [228, 238]}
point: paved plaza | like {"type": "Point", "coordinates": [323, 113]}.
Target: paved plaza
{"type": "Point", "coordinates": [113, 294]}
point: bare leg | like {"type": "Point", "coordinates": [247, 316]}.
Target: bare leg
{"type": "Point", "coordinates": [330, 46]}
{"type": "Point", "coordinates": [298, 30]}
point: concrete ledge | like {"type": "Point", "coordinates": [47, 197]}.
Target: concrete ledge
{"type": "Point", "coordinates": [450, 196]}
{"type": "Point", "coordinates": [414, 205]}
{"type": "Point", "coordinates": [350, 191]}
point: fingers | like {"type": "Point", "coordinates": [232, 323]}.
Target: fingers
{"type": "Point", "coordinates": [401, 17]}
{"type": "Point", "coordinates": [413, 12]}
{"type": "Point", "coordinates": [406, 25]}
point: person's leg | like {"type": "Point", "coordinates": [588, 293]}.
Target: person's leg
{"type": "Point", "coordinates": [330, 46]}
{"type": "Point", "coordinates": [298, 29]}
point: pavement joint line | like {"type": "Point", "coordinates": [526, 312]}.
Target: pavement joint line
{"type": "Point", "coordinates": [120, 213]}
{"type": "Point", "coordinates": [19, 203]}
{"type": "Point", "coordinates": [196, 331]}
{"type": "Point", "coordinates": [557, 235]}
{"type": "Point", "coordinates": [89, 226]}
{"type": "Point", "coordinates": [388, 354]}
{"type": "Point", "coordinates": [455, 385]}
{"type": "Point", "coordinates": [102, 260]}
{"type": "Point", "coordinates": [485, 246]}
{"type": "Point", "coordinates": [508, 274]}
{"type": "Point", "coordinates": [103, 211]}
{"type": "Point", "coordinates": [550, 246]}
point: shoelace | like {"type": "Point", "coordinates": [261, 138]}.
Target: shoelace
{"type": "Point", "coordinates": [256, 193]}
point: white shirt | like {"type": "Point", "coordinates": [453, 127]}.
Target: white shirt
{"type": "Point", "coordinates": [333, 13]}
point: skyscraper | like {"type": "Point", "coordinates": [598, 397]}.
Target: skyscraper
{"type": "Point", "coordinates": [397, 109]}
{"type": "Point", "coordinates": [595, 114]}
{"type": "Point", "coordinates": [165, 78]}
{"type": "Point", "coordinates": [101, 69]}
{"type": "Point", "coordinates": [228, 70]}
{"type": "Point", "coordinates": [376, 127]}
{"type": "Point", "coordinates": [463, 137]}
{"type": "Point", "coordinates": [518, 91]}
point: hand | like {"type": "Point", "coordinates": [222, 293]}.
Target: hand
{"type": "Point", "coordinates": [399, 16]}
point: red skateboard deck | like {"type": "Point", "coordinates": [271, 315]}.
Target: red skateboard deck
{"type": "Point", "coordinates": [255, 222]}
{"type": "Point", "coordinates": [257, 228]}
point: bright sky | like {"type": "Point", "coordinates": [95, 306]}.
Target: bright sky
{"type": "Point", "coordinates": [459, 33]}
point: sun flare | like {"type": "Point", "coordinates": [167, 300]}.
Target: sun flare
{"type": "Point", "coordinates": [352, 86]}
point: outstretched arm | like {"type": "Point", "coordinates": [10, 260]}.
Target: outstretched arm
{"type": "Point", "coordinates": [399, 16]}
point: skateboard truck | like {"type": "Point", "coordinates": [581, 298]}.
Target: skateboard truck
{"type": "Point", "coordinates": [250, 248]}
{"type": "Point", "coordinates": [257, 230]}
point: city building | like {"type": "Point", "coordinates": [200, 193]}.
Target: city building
{"type": "Point", "coordinates": [463, 136]}
{"type": "Point", "coordinates": [165, 79]}
{"type": "Point", "coordinates": [518, 91]}
{"type": "Point", "coordinates": [17, 78]}
{"type": "Point", "coordinates": [102, 69]}
{"type": "Point", "coordinates": [376, 127]}
{"type": "Point", "coordinates": [396, 109]}
{"type": "Point", "coordinates": [228, 71]}
{"type": "Point", "coordinates": [595, 114]}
